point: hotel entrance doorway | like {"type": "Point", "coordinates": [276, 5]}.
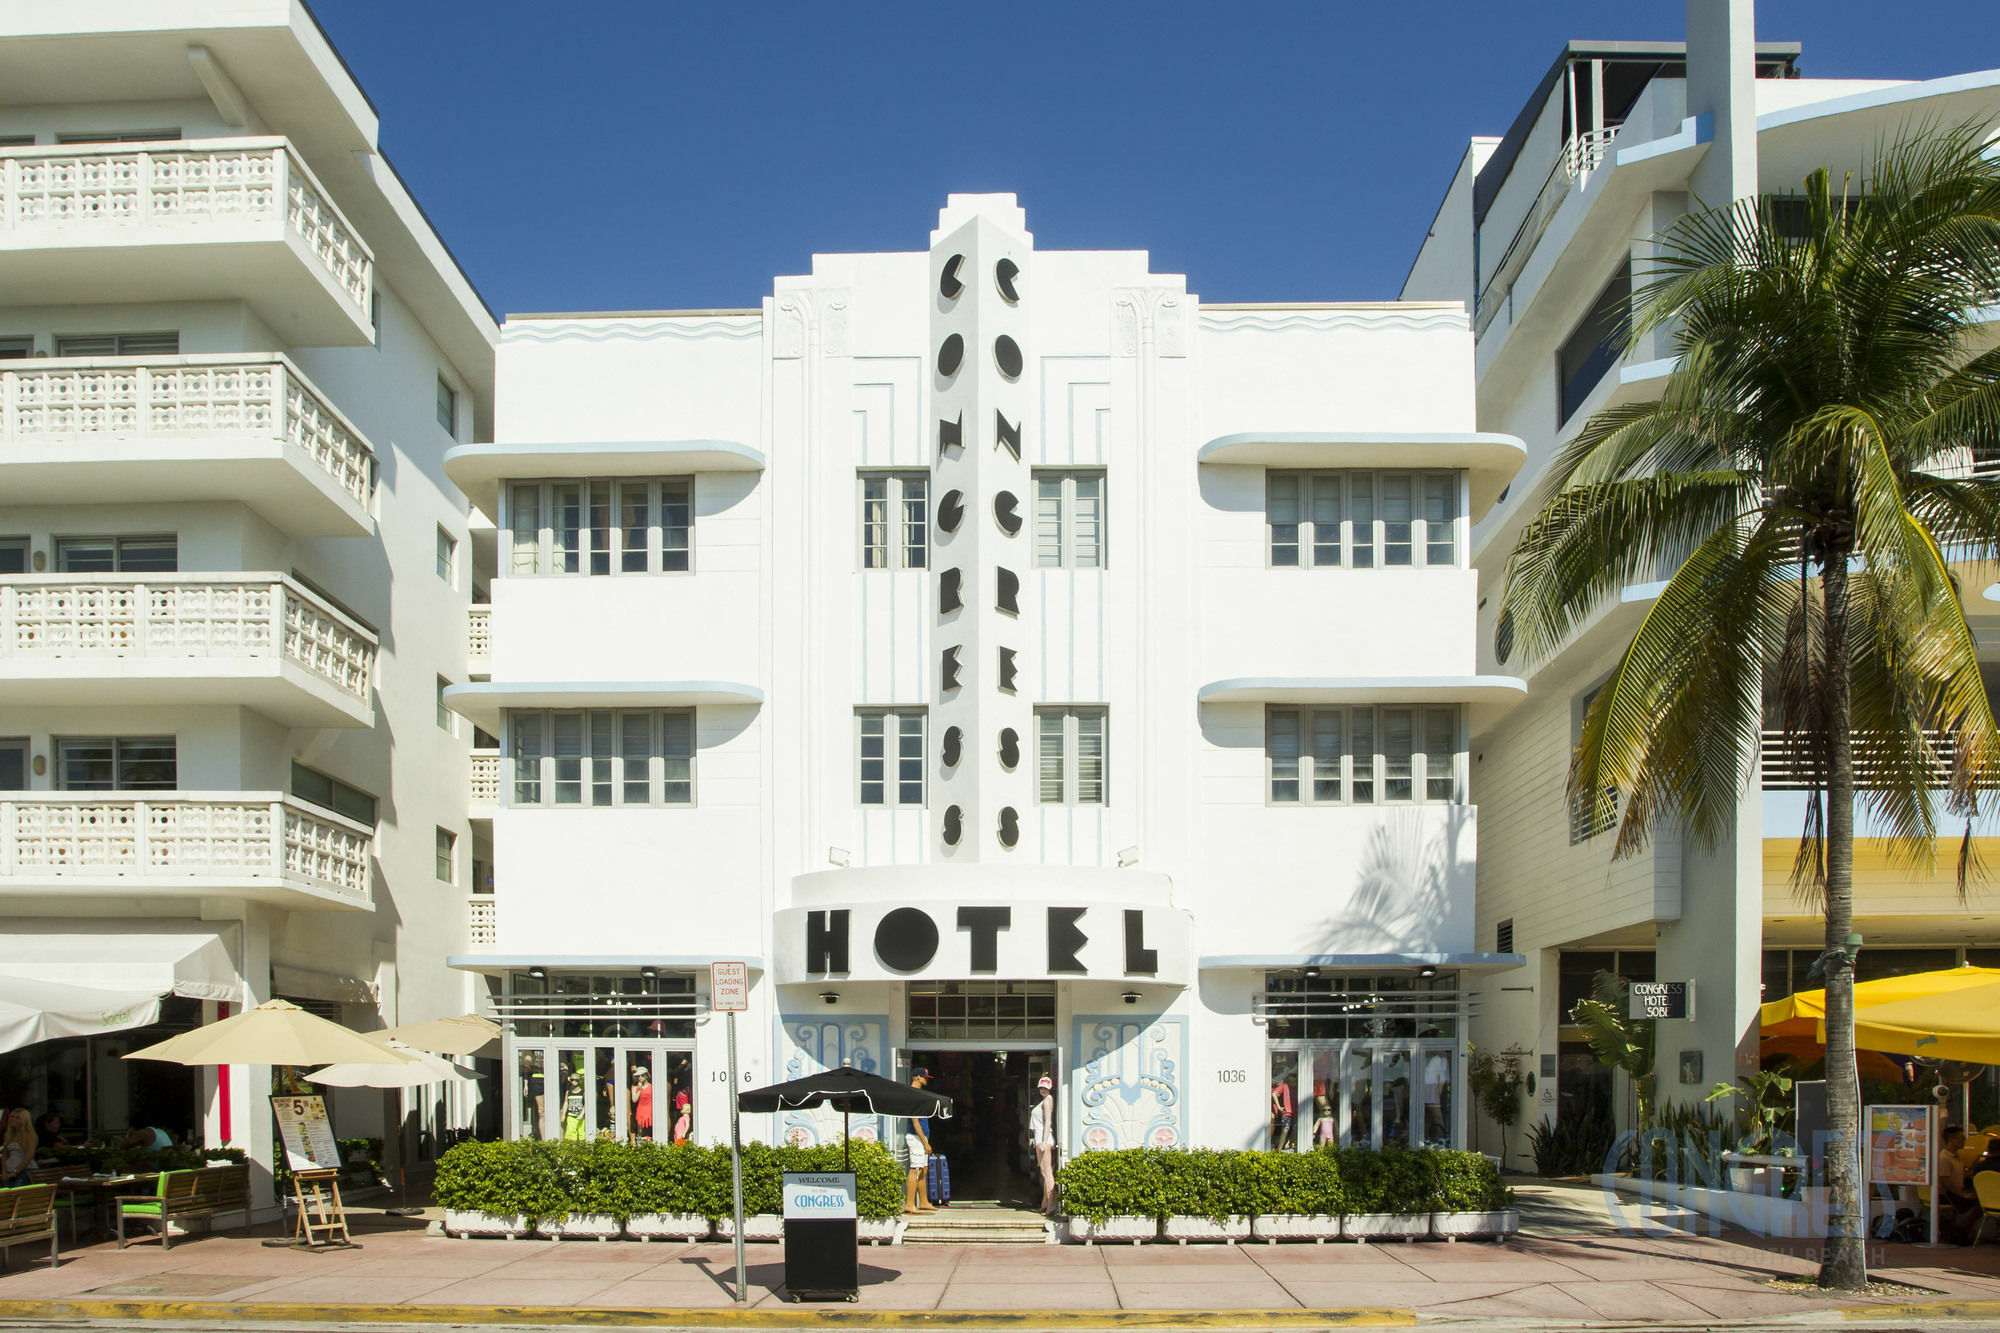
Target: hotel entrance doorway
{"type": "Point", "coordinates": [986, 1138]}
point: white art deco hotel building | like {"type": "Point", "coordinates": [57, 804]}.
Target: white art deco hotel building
{"type": "Point", "coordinates": [1023, 666]}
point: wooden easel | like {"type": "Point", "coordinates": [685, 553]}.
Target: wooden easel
{"type": "Point", "coordinates": [322, 1219]}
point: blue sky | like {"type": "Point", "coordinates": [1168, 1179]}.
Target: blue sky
{"type": "Point", "coordinates": [653, 154]}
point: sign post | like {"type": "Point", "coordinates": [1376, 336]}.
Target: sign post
{"type": "Point", "coordinates": [1661, 999]}
{"type": "Point", "coordinates": [729, 993]}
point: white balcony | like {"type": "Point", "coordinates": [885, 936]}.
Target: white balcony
{"type": "Point", "coordinates": [198, 220]}
{"type": "Point", "coordinates": [247, 427]}
{"type": "Point", "coordinates": [259, 640]}
{"type": "Point", "coordinates": [485, 783]}
{"type": "Point", "coordinates": [479, 640]}
{"type": "Point", "coordinates": [482, 928]}
{"type": "Point", "coordinates": [258, 846]}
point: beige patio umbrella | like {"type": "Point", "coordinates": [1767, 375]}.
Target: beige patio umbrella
{"type": "Point", "coordinates": [414, 1070]}
{"type": "Point", "coordinates": [276, 1032]}
{"type": "Point", "coordinates": [465, 1035]}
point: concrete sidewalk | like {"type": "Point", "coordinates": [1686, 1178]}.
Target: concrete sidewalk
{"type": "Point", "coordinates": [1567, 1266]}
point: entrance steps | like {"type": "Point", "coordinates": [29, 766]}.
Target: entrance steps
{"type": "Point", "coordinates": [975, 1224]}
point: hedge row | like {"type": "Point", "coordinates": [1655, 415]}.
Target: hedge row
{"type": "Point", "coordinates": [1202, 1182]}
{"type": "Point", "coordinates": [548, 1181]}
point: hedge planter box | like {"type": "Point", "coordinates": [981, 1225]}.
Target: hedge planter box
{"type": "Point", "coordinates": [581, 1226]}
{"type": "Point", "coordinates": [667, 1226]}
{"type": "Point", "coordinates": [1118, 1228]}
{"type": "Point", "coordinates": [1365, 1227]}
{"type": "Point", "coordinates": [1229, 1231]}
{"type": "Point", "coordinates": [1497, 1225]}
{"type": "Point", "coordinates": [880, 1230]}
{"type": "Point", "coordinates": [757, 1227]}
{"type": "Point", "coordinates": [464, 1223]}
{"type": "Point", "coordinates": [1274, 1227]}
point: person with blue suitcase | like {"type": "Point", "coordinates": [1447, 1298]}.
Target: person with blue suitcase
{"type": "Point", "coordinates": [917, 1150]}
{"type": "Point", "coordinates": [940, 1180]}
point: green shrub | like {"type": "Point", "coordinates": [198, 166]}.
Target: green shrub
{"type": "Point", "coordinates": [1098, 1185]}
{"type": "Point", "coordinates": [1305, 1183]}
{"type": "Point", "coordinates": [1201, 1182]}
{"type": "Point", "coordinates": [1389, 1180]}
{"type": "Point", "coordinates": [1572, 1145]}
{"type": "Point", "coordinates": [1467, 1183]}
{"type": "Point", "coordinates": [505, 1177]}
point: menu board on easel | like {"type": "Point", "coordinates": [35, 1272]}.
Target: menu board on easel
{"type": "Point", "coordinates": [307, 1133]}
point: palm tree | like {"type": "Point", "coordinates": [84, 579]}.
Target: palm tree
{"type": "Point", "coordinates": [1814, 467]}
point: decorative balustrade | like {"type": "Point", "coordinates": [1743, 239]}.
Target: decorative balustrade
{"type": "Point", "coordinates": [479, 633]}
{"type": "Point", "coordinates": [262, 395]}
{"type": "Point", "coordinates": [168, 616]}
{"type": "Point", "coordinates": [482, 927]}
{"type": "Point", "coordinates": [486, 777]}
{"type": "Point", "coordinates": [91, 187]}
{"type": "Point", "coordinates": [161, 838]}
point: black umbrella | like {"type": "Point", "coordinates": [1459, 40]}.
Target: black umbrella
{"type": "Point", "coordinates": [847, 1090]}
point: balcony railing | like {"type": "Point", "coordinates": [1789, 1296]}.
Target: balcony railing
{"type": "Point", "coordinates": [486, 777]}
{"type": "Point", "coordinates": [479, 633]}
{"type": "Point", "coordinates": [220, 182]}
{"type": "Point", "coordinates": [168, 616]}
{"type": "Point", "coordinates": [1788, 766]}
{"type": "Point", "coordinates": [169, 839]}
{"type": "Point", "coordinates": [482, 927]}
{"type": "Point", "coordinates": [262, 395]}
{"type": "Point", "coordinates": [1581, 155]}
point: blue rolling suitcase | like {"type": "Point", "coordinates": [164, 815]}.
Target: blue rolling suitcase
{"type": "Point", "coordinates": [938, 1179]}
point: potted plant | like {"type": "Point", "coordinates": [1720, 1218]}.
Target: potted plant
{"type": "Point", "coordinates": [1497, 1082]}
{"type": "Point", "coordinates": [1469, 1197]}
{"type": "Point", "coordinates": [1111, 1196]}
{"type": "Point", "coordinates": [1387, 1193]}
{"type": "Point", "coordinates": [590, 1183]}
{"type": "Point", "coordinates": [1201, 1193]}
{"type": "Point", "coordinates": [494, 1189]}
{"type": "Point", "coordinates": [671, 1190]}
{"type": "Point", "coordinates": [763, 1195]}
{"type": "Point", "coordinates": [1294, 1196]}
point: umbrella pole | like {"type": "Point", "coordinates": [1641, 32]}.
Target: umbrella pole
{"type": "Point", "coordinates": [846, 1142]}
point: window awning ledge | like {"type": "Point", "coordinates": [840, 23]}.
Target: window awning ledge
{"type": "Point", "coordinates": [1490, 459]}
{"type": "Point", "coordinates": [484, 701]}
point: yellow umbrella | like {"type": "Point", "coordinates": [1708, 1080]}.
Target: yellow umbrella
{"type": "Point", "coordinates": [276, 1032]}
{"type": "Point", "coordinates": [447, 1036]}
{"type": "Point", "coordinates": [1948, 1025]}
{"type": "Point", "coordinates": [1804, 1014]}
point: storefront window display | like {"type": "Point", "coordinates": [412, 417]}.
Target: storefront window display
{"type": "Point", "coordinates": [597, 1056]}
{"type": "Point", "coordinates": [1361, 1062]}
{"type": "Point", "coordinates": [97, 1092]}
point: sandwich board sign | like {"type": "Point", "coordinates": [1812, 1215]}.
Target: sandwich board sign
{"type": "Point", "coordinates": [308, 1134]}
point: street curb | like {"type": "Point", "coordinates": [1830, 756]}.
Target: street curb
{"type": "Point", "coordinates": [1925, 1310]}
{"type": "Point", "coordinates": [790, 1316]}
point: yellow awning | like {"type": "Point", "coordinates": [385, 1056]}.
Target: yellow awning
{"type": "Point", "coordinates": [1804, 1014]}
{"type": "Point", "coordinates": [1961, 1024]}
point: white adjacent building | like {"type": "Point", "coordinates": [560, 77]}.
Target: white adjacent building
{"type": "Point", "coordinates": [1024, 667]}
{"type": "Point", "coordinates": [1538, 236]}
{"type": "Point", "coordinates": [234, 577]}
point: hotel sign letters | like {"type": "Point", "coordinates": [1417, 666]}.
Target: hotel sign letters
{"type": "Point", "coordinates": [907, 939]}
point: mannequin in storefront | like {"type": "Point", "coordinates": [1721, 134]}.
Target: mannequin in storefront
{"type": "Point", "coordinates": [683, 1116]}
{"type": "Point", "coordinates": [1042, 1132]}
{"type": "Point", "coordinates": [572, 1105]}
{"type": "Point", "coordinates": [642, 1103]}
{"type": "Point", "coordinates": [1282, 1114]}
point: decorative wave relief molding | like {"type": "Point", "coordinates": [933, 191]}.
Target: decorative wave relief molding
{"type": "Point", "coordinates": [813, 1045]}
{"type": "Point", "coordinates": [1420, 320]}
{"type": "Point", "coordinates": [1128, 1089]}
{"type": "Point", "coordinates": [731, 328]}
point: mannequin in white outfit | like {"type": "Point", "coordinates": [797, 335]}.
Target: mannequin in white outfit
{"type": "Point", "coordinates": [1042, 1133]}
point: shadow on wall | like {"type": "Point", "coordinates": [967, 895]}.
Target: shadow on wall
{"type": "Point", "coordinates": [1401, 901]}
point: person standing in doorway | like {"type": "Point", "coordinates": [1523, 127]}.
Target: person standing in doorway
{"type": "Point", "coordinates": [917, 1144]}
{"type": "Point", "coordinates": [1042, 1133]}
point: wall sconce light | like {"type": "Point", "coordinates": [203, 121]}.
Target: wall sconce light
{"type": "Point", "coordinates": [649, 973]}
{"type": "Point", "coordinates": [539, 973]}
{"type": "Point", "coordinates": [1131, 997]}
{"type": "Point", "coordinates": [1312, 973]}
{"type": "Point", "coordinates": [1128, 857]}
{"type": "Point", "coordinates": [41, 765]}
{"type": "Point", "coordinates": [838, 856]}
{"type": "Point", "coordinates": [1427, 972]}
{"type": "Point", "coordinates": [830, 996]}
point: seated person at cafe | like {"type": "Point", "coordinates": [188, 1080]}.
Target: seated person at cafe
{"type": "Point", "coordinates": [50, 1130]}
{"type": "Point", "coordinates": [143, 1135]}
{"type": "Point", "coordinates": [1958, 1206]}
